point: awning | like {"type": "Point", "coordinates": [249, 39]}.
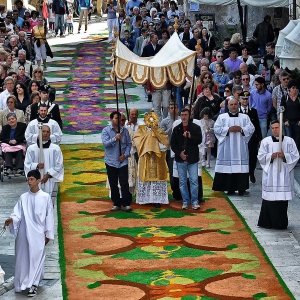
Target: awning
{"type": "Point", "coordinates": [265, 3]}
{"type": "Point", "coordinates": [172, 63]}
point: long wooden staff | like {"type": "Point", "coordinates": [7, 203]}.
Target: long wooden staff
{"type": "Point", "coordinates": [116, 81]}
{"type": "Point", "coordinates": [281, 110]}
{"type": "Point", "coordinates": [41, 158]}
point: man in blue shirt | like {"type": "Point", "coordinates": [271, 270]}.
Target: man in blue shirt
{"type": "Point", "coordinates": [131, 4]}
{"type": "Point", "coordinates": [117, 145]}
{"type": "Point", "coordinates": [18, 20]}
{"type": "Point", "coordinates": [261, 100]}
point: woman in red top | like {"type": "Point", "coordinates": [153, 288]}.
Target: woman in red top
{"type": "Point", "coordinates": [206, 77]}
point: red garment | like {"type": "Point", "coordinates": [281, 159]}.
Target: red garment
{"type": "Point", "coordinates": [150, 88]}
{"type": "Point", "coordinates": [199, 89]}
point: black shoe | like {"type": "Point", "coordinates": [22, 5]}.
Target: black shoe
{"type": "Point", "coordinates": [252, 178]}
{"type": "Point", "coordinates": [230, 193]}
{"type": "Point", "coordinates": [244, 194]}
{"type": "Point", "coordinates": [201, 201]}
{"type": "Point", "coordinates": [157, 205]}
{"type": "Point", "coordinates": [32, 291]}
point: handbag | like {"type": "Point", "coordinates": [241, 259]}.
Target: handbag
{"type": "Point", "coordinates": [48, 49]}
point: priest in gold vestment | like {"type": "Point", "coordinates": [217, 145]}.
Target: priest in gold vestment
{"type": "Point", "coordinates": [151, 143]}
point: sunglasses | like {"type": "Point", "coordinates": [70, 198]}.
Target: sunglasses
{"type": "Point", "coordinates": [38, 72]}
{"type": "Point", "coordinates": [220, 56]}
{"type": "Point", "coordinates": [285, 79]}
{"type": "Point", "coordinates": [237, 77]}
{"type": "Point", "coordinates": [206, 77]}
{"type": "Point", "coordinates": [245, 79]}
{"type": "Point", "coordinates": [244, 98]}
{"type": "Point", "coordinates": [227, 91]}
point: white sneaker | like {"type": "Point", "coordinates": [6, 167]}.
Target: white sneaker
{"type": "Point", "coordinates": [185, 206]}
{"type": "Point", "coordinates": [196, 206]}
{"type": "Point", "coordinates": [115, 208]}
{"type": "Point", "coordinates": [208, 166]}
{"type": "Point", "coordinates": [203, 164]}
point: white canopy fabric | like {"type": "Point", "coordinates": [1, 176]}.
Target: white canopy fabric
{"type": "Point", "coordinates": [265, 3]}
{"type": "Point", "coordinates": [290, 52]}
{"type": "Point", "coordinates": [172, 63]}
{"type": "Point", "coordinates": [283, 33]}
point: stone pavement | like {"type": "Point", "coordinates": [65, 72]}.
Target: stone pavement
{"type": "Point", "coordinates": [282, 247]}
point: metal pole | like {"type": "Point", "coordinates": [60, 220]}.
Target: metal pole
{"type": "Point", "coordinates": [117, 98]}
{"type": "Point", "coordinates": [125, 100]}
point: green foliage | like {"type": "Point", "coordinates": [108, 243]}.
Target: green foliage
{"type": "Point", "coordinates": [94, 285]}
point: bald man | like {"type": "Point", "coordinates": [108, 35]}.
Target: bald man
{"type": "Point", "coordinates": [233, 131]}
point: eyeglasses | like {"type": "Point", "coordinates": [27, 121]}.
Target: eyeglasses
{"type": "Point", "coordinates": [246, 79]}
{"type": "Point", "coordinates": [227, 91]}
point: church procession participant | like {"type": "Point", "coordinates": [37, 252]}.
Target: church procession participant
{"type": "Point", "coordinates": [233, 131]}
{"type": "Point", "coordinates": [256, 137]}
{"type": "Point", "coordinates": [32, 131]}
{"type": "Point", "coordinates": [32, 223]}
{"type": "Point", "coordinates": [52, 167]}
{"type": "Point", "coordinates": [151, 143]}
{"type": "Point", "coordinates": [167, 126]}
{"type": "Point", "coordinates": [53, 109]}
{"type": "Point", "coordinates": [184, 143]}
{"type": "Point", "coordinates": [277, 184]}
{"type": "Point", "coordinates": [117, 143]}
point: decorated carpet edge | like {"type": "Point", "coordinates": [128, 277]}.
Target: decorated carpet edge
{"type": "Point", "coordinates": [281, 281]}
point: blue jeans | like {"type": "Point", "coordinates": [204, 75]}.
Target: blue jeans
{"type": "Point", "coordinates": [263, 127]}
{"type": "Point", "coordinates": [293, 131]}
{"type": "Point", "coordinates": [183, 168]}
{"type": "Point", "coordinates": [59, 22]}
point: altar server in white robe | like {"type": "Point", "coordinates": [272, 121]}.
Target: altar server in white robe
{"type": "Point", "coordinates": [233, 131]}
{"type": "Point", "coordinates": [53, 167]}
{"type": "Point", "coordinates": [277, 186]}
{"type": "Point", "coordinates": [32, 223]}
{"type": "Point", "coordinates": [32, 130]}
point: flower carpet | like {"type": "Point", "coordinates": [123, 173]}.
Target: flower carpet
{"type": "Point", "coordinates": [150, 253]}
{"type": "Point", "coordinates": [87, 89]}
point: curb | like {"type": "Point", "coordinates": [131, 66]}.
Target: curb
{"type": "Point", "coordinates": [7, 286]}
{"type": "Point", "coordinates": [297, 188]}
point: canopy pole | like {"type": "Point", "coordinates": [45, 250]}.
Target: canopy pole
{"type": "Point", "coordinates": [114, 42]}
{"type": "Point", "coordinates": [198, 48]}
{"type": "Point", "coordinates": [125, 100]}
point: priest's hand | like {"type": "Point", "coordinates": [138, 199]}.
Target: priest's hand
{"type": "Point", "coordinates": [122, 158]}
{"type": "Point", "coordinates": [235, 129]}
{"type": "Point", "coordinates": [182, 155]}
{"type": "Point", "coordinates": [8, 221]}
{"type": "Point", "coordinates": [281, 154]}
{"type": "Point", "coordinates": [45, 178]}
{"type": "Point", "coordinates": [46, 240]}
{"type": "Point", "coordinates": [40, 166]}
